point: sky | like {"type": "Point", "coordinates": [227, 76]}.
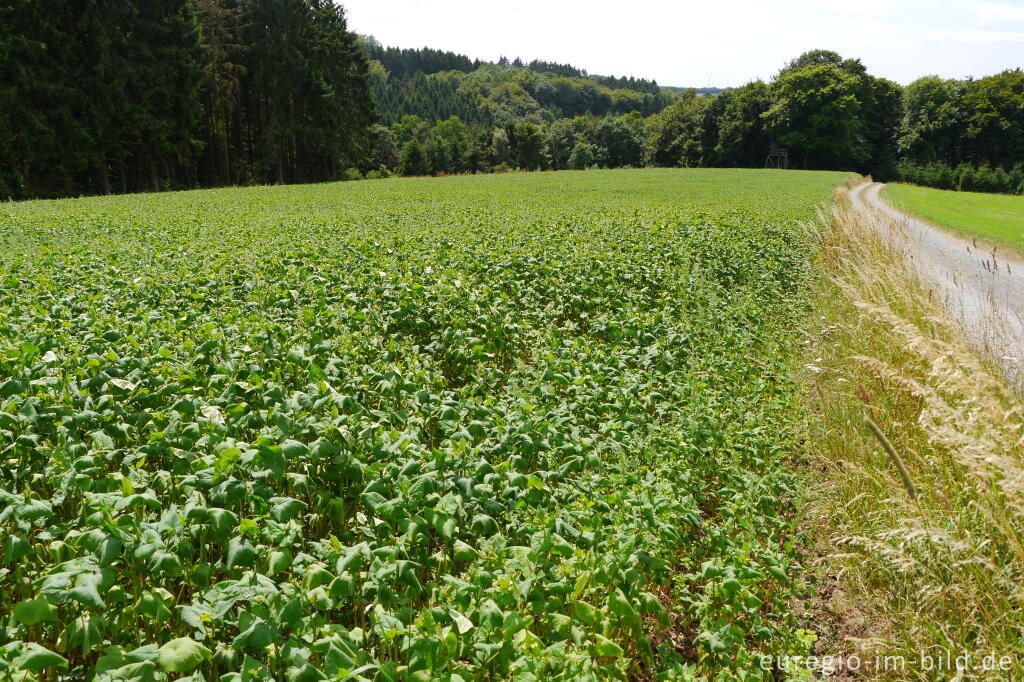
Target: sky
{"type": "Point", "coordinates": [722, 42]}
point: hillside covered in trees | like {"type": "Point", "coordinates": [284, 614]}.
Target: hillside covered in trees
{"type": "Point", "coordinates": [446, 113]}
{"type": "Point", "coordinates": [103, 96]}
{"type": "Point", "coordinates": [436, 85]}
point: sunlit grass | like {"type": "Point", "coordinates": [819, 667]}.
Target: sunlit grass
{"type": "Point", "coordinates": [998, 218]}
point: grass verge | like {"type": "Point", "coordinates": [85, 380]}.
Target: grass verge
{"type": "Point", "coordinates": [920, 516]}
{"type": "Point", "coordinates": [995, 218]}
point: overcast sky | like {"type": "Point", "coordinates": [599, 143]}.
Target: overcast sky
{"type": "Point", "coordinates": [684, 43]}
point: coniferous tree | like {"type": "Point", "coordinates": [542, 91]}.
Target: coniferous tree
{"type": "Point", "coordinates": [162, 91]}
{"type": "Point", "coordinates": [223, 69]}
{"type": "Point", "coordinates": [106, 95]}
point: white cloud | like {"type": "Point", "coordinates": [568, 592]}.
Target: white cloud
{"type": "Point", "coordinates": [988, 36]}
{"type": "Point", "coordinates": [1000, 13]}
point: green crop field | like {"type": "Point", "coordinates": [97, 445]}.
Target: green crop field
{"type": "Point", "coordinates": [530, 427]}
{"type": "Point", "coordinates": [996, 217]}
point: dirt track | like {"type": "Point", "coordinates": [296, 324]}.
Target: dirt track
{"type": "Point", "coordinates": [981, 288]}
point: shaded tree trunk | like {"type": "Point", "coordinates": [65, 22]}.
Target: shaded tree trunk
{"type": "Point", "coordinates": [104, 176]}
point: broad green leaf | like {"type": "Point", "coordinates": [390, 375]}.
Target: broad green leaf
{"type": "Point", "coordinates": [240, 553]}
{"type": "Point", "coordinates": [279, 561]}
{"type": "Point", "coordinates": [292, 449]}
{"type": "Point", "coordinates": [155, 604]}
{"type": "Point", "coordinates": [585, 612]}
{"type": "Point", "coordinates": [182, 655]}
{"type": "Point", "coordinates": [84, 633]}
{"type": "Point", "coordinates": [620, 606]}
{"type": "Point", "coordinates": [32, 611]}
{"type": "Point", "coordinates": [463, 552]}
{"type": "Point", "coordinates": [81, 580]}
{"type": "Point", "coordinates": [605, 648]}
{"type": "Point", "coordinates": [462, 624]}
{"type": "Point", "coordinates": [122, 386]}
{"type": "Point", "coordinates": [257, 636]}
{"type": "Point", "coordinates": [285, 508]}
{"type": "Point", "coordinates": [37, 658]}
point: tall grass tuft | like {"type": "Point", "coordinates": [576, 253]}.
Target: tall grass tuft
{"type": "Point", "coordinates": [924, 525]}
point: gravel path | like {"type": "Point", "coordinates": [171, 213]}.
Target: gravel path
{"type": "Point", "coordinates": [982, 288]}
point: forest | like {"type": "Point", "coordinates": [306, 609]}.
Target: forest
{"type": "Point", "coordinates": [102, 96]}
{"type": "Point", "coordinates": [445, 113]}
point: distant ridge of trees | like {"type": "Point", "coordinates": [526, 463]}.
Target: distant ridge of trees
{"type": "Point", "coordinates": [828, 110]}
{"type": "Point", "coordinates": [435, 85]}
{"type": "Point", "coordinates": [699, 91]}
{"type": "Point", "coordinates": [405, 62]}
{"type": "Point", "coordinates": [964, 134]}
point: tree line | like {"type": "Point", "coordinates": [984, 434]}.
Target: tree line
{"type": "Point", "coordinates": [964, 134]}
{"type": "Point", "coordinates": [106, 95]}
{"type": "Point", "coordinates": [827, 111]}
{"type": "Point", "coordinates": [101, 96]}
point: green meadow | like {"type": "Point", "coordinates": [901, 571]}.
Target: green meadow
{"type": "Point", "coordinates": [998, 218]}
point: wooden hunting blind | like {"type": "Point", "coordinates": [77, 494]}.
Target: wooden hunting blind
{"type": "Point", "coordinates": [778, 157]}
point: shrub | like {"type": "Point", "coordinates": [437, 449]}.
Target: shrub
{"type": "Point", "coordinates": [964, 178]}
